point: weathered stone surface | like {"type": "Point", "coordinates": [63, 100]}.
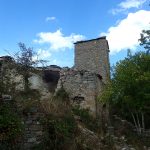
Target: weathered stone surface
{"type": "Point", "coordinates": [81, 90]}
{"type": "Point", "coordinates": [32, 140]}
{"type": "Point", "coordinates": [88, 139]}
{"type": "Point", "coordinates": [91, 71]}
{"type": "Point", "coordinates": [83, 84]}
{"type": "Point", "coordinates": [37, 83]}
{"type": "Point", "coordinates": [93, 56]}
{"type": "Point", "coordinates": [33, 132]}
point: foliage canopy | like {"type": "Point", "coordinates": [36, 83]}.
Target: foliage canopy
{"type": "Point", "coordinates": [129, 88]}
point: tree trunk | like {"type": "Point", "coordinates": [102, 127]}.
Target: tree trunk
{"type": "Point", "coordinates": [143, 122]}
{"type": "Point", "coordinates": [138, 121]}
{"type": "Point", "coordinates": [136, 126]}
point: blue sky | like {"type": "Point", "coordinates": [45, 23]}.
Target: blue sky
{"type": "Point", "coordinates": [52, 26]}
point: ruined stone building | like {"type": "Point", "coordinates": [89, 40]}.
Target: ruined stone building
{"type": "Point", "coordinates": [93, 56]}
{"type": "Point", "coordinates": [86, 79]}
{"type": "Point", "coordinates": [83, 82]}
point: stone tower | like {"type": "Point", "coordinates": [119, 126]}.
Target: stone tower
{"type": "Point", "coordinates": [93, 55]}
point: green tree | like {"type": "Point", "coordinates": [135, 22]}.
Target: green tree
{"type": "Point", "coordinates": [129, 88]}
{"type": "Point", "coordinates": [145, 39]}
{"type": "Point", "coordinates": [25, 63]}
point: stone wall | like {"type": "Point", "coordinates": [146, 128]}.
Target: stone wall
{"type": "Point", "coordinates": [82, 87]}
{"type": "Point", "coordinates": [83, 83]}
{"type": "Point", "coordinates": [30, 118]}
{"type": "Point", "coordinates": [93, 56]}
{"type": "Point", "coordinates": [37, 83]}
{"type": "Point", "coordinates": [33, 132]}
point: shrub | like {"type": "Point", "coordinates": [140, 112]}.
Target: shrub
{"type": "Point", "coordinates": [86, 118]}
{"type": "Point", "coordinates": [31, 94]}
{"type": "Point", "coordinates": [61, 94]}
{"type": "Point", "coordinates": [59, 132]}
{"type": "Point", "coordinates": [59, 123]}
{"type": "Point", "coordinates": [10, 126]}
{"type": "Point", "coordinates": [57, 105]}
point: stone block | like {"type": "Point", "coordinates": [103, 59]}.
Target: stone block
{"type": "Point", "coordinates": [32, 140]}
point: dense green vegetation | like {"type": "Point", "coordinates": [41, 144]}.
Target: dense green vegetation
{"type": "Point", "coordinates": [86, 118]}
{"type": "Point", "coordinates": [11, 127]}
{"type": "Point", "coordinates": [128, 93]}
{"type": "Point", "coordinates": [58, 123]}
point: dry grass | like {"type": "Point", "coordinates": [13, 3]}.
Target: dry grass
{"type": "Point", "coordinates": [55, 106]}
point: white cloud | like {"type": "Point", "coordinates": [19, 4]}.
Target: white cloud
{"type": "Point", "coordinates": [41, 54]}
{"type": "Point", "coordinates": [128, 4]}
{"type": "Point", "coordinates": [50, 18]}
{"type": "Point", "coordinates": [131, 4]}
{"type": "Point", "coordinates": [57, 41]}
{"type": "Point", "coordinates": [126, 34]}
{"type": "Point", "coordinates": [55, 61]}
{"type": "Point", "coordinates": [116, 11]}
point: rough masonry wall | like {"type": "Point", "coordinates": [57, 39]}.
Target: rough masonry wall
{"type": "Point", "coordinates": [93, 56]}
{"type": "Point", "coordinates": [33, 132]}
{"type": "Point", "coordinates": [82, 87]}
{"type": "Point", "coordinates": [37, 83]}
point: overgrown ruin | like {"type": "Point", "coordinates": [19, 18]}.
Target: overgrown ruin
{"type": "Point", "coordinates": [83, 82]}
{"type": "Point", "coordinates": [86, 79]}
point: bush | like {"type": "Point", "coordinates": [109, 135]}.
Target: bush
{"type": "Point", "coordinates": [59, 132]}
{"type": "Point", "coordinates": [61, 94]}
{"type": "Point", "coordinates": [59, 123]}
{"type": "Point", "coordinates": [31, 94]}
{"type": "Point", "coordinates": [63, 127]}
{"type": "Point", "coordinates": [86, 118]}
{"type": "Point", "coordinates": [10, 126]}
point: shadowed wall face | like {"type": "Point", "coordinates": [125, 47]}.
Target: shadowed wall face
{"type": "Point", "coordinates": [93, 56]}
{"type": "Point", "coordinates": [51, 78]}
